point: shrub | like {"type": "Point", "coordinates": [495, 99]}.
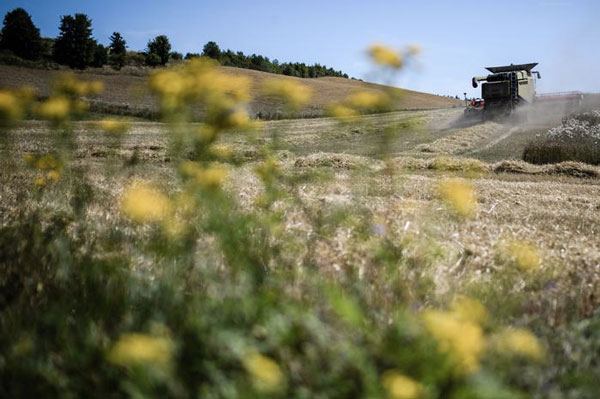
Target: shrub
{"type": "Point", "coordinates": [576, 139]}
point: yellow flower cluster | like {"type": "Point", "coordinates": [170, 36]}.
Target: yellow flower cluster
{"type": "Point", "coordinates": [49, 164]}
{"type": "Point", "coordinates": [10, 107]}
{"type": "Point", "coordinates": [138, 349]}
{"type": "Point", "coordinates": [268, 170]}
{"type": "Point", "coordinates": [386, 56]}
{"type": "Point", "coordinates": [460, 196]}
{"type": "Point", "coordinates": [461, 339]}
{"type": "Point", "coordinates": [68, 85]}
{"type": "Point", "coordinates": [519, 342]}
{"type": "Point", "coordinates": [144, 204]}
{"type": "Point", "coordinates": [399, 386]}
{"type": "Point", "coordinates": [55, 110]}
{"type": "Point", "coordinates": [367, 100]}
{"type": "Point", "coordinates": [210, 177]}
{"type": "Point", "coordinates": [114, 126]}
{"type": "Point", "coordinates": [200, 81]}
{"type": "Point", "coordinates": [265, 372]}
{"type": "Point", "coordinates": [524, 255]}
{"type": "Point", "coordinates": [341, 112]}
{"type": "Point", "coordinates": [459, 332]}
{"type": "Point", "coordinates": [295, 95]}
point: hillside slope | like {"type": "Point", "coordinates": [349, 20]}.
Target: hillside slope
{"type": "Point", "coordinates": [126, 93]}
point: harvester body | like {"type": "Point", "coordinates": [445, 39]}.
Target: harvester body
{"type": "Point", "coordinates": [506, 88]}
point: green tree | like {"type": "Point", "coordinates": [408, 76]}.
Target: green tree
{"type": "Point", "coordinates": [212, 50]}
{"type": "Point", "coordinates": [159, 47]}
{"type": "Point", "coordinates": [175, 56]}
{"type": "Point", "coordinates": [117, 50]}
{"type": "Point", "coordinates": [100, 56]}
{"type": "Point", "coordinates": [74, 46]}
{"type": "Point", "coordinates": [20, 35]}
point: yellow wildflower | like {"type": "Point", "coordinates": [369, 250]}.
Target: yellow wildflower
{"type": "Point", "coordinates": [385, 56]}
{"type": "Point", "coordinates": [267, 170]}
{"type": "Point", "coordinates": [462, 340]}
{"type": "Point", "coordinates": [237, 87]}
{"type": "Point", "coordinates": [367, 100]}
{"type": "Point", "coordinates": [40, 182]}
{"type": "Point", "coordinates": [399, 386]}
{"type": "Point", "coordinates": [525, 255]}
{"type": "Point", "coordinates": [220, 151]}
{"type": "Point", "coordinates": [114, 126]}
{"type": "Point", "coordinates": [265, 372]}
{"type": "Point", "coordinates": [67, 84]}
{"type": "Point", "coordinates": [53, 175]}
{"type": "Point", "coordinates": [29, 158]}
{"type": "Point", "coordinates": [238, 118]}
{"type": "Point", "coordinates": [460, 196]}
{"type": "Point", "coordinates": [46, 162]}
{"type": "Point", "coordinates": [10, 108]}
{"type": "Point", "coordinates": [174, 227]}
{"type": "Point", "coordinates": [25, 94]}
{"type": "Point", "coordinates": [136, 349]}
{"type": "Point", "coordinates": [144, 204]}
{"type": "Point", "coordinates": [79, 107]}
{"type": "Point", "coordinates": [341, 112]}
{"type": "Point", "coordinates": [520, 342]}
{"type": "Point", "coordinates": [94, 88]}
{"type": "Point", "coordinates": [208, 177]}
{"type": "Point", "coordinates": [294, 94]}
{"type": "Point", "coordinates": [55, 109]}
{"type": "Point", "coordinates": [167, 83]}
{"type": "Point", "coordinates": [469, 309]}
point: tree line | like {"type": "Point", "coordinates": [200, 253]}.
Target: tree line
{"type": "Point", "coordinates": [76, 48]}
{"type": "Point", "coordinates": [260, 63]}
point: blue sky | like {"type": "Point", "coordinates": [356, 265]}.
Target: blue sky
{"type": "Point", "coordinates": [459, 38]}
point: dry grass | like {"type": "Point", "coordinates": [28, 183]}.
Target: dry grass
{"type": "Point", "coordinates": [550, 206]}
{"type": "Point", "coordinates": [125, 94]}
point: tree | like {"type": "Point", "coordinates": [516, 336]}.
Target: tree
{"type": "Point", "coordinates": [74, 46]}
{"type": "Point", "coordinates": [189, 56]}
{"type": "Point", "coordinates": [20, 35]}
{"type": "Point", "coordinates": [100, 56]}
{"type": "Point", "coordinates": [117, 50]}
{"type": "Point", "coordinates": [175, 56]}
{"type": "Point", "coordinates": [160, 47]}
{"type": "Point", "coordinates": [212, 50]}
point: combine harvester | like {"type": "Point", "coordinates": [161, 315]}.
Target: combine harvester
{"type": "Point", "coordinates": [510, 87]}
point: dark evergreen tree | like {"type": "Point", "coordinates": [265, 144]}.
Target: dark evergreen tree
{"type": "Point", "coordinates": [212, 50]}
{"type": "Point", "coordinates": [20, 35]}
{"type": "Point", "coordinates": [158, 48]}
{"type": "Point", "coordinates": [117, 50]}
{"type": "Point", "coordinates": [74, 46]}
{"type": "Point", "coordinates": [100, 56]}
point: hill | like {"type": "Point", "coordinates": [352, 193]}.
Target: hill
{"type": "Point", "coordinates": [125, 92]}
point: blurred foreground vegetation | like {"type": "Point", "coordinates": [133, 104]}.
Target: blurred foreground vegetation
{"type": "Point", "coordinates": [190, 295]}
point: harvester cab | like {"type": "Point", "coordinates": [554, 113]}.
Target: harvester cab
{"type": "Point", "coordinates": [506, 88]}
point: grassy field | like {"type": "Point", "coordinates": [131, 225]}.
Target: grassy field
{"type": "Point", "coordinates": [402, 255]}
{"type": "Point", "coordinates": [127, 94]}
